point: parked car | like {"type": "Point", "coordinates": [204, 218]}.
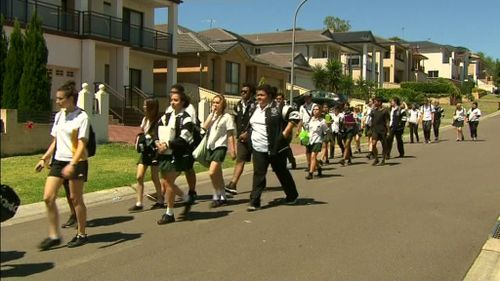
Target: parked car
{"type": "Point", "coordinates": [320, 97]}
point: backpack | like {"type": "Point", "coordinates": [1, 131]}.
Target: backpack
{"type": "Point", "coordinates": [197, 135]}
{"type": "Point", "coordinates": [9, 202]}
{"type": "Point", "coordinates": [91, 142]}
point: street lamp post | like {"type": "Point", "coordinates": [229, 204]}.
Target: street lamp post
{"type": "Point", "coordinates": [292, 72]}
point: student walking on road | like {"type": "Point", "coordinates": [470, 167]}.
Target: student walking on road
{"type": "Point", "coordinates": [458, 121]}
{"type": "Point", "coordinates": [396, 128]}
{"type": "Point", "coordinates": [174, 144]}
{"type": "Point", "coordinates": [280, 99]}
{"type": "Point", "coordinates": [438, 115]}
{"type": "Point", "coordinates": [220, 129]}
{"type": "Point", "coordinates": [337, 121]}
{"type": "Point", "coordinates": [380, 121]}
{"type": "Point", "coordinates": [305, 113]}
{"type": "Point", "coordinates": [349, 130]}
{"type": "Point", "coordinates": [70, 134]}
{"type": "Point", "coordinates": [270, 127]}
{"type": "Point", "coordinates": [148, 156]}
{"type": "Point", "coordinates": [473, 116]}
{"type": "Point", "coordinates": [413, 119]}
{"type": "Point", "coordinates": [427, 120]}
{"type": "Point", "coordinates": [243, 147]}
{"type": "Point", "coordinates": [317, 130]}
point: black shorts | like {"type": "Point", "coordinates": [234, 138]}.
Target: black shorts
{"type": "Point", "coordinates": [368, 131]}
{"type": "Point", "coordinates": [81, 170]}
{"type": "Point", "coordinates": [243, 152]}
{"type": "Point", "coordinates": [376, 135]}
{"type": "Point", "coordinates": [148, 160]}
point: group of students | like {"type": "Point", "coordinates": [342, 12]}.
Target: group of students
{"type": "Point", "coordinates": [260, 128]}
{"type": "Point", "coordinates": [340, 124]}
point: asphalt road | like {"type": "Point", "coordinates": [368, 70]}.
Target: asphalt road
{"type": "Point", "coordinates": [424, 217]}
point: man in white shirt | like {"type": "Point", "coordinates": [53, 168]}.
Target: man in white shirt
{"type": "Point", "coordinates": [427, 119]}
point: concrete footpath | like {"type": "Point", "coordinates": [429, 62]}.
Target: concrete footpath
{"type": "Point", "coordinates": [356, 223]}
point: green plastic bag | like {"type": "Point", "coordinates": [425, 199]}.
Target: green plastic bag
{"type": "Point", "coordinates": [304, 137]}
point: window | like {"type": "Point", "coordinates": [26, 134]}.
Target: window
{"type": "Point", "coordinates": [70, 74]}
{"type": "Point", "coordinates": [106, 8]}
{"type": "Point", "coordinates": [324, 54]}
{"type": "Point", "coordinates": [49, 72]}
{"type": "Point", "coordinates": [433, 74]}
{"type": "Point", "coordinates": [387, 55]}
{"type": "Point", "coordinates": [59, 72]}
{"type": "Point", "coordinates": [354, 61]}
{"type": "Point", "coordinates": [257, 51]}
{"type": "Point", "coordinates": [232, 78]}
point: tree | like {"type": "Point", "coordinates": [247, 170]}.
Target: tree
{"type": "Point", "coordinates": [3, 54]}
{"type": "Point", "coordinates": [319, 77]}
{"type": "Point", "coordinates": [489, 63]}
{"type": "Point", "coordinates": [329, 77]}
{"type": "Point", "coordinates": [395, 39]}
{"type": "Point", "coordinates": [497, 74]}
{"type": "Point", "coordinates": [336, 24]}
{"type": "Point", "coordinates": [14, 68]}
{"type": "Point", "coordinates": [34, 91]}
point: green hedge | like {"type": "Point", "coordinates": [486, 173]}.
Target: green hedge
{"type": "Point", "coordinates": [405, 94]}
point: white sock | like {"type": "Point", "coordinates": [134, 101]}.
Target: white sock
{"type": "Point", "coordinates": [223, 194]}
{"type": "Point", "coordinates": [185, 197]}
{"type": "Point", "coordinates": [170, 212]}
{"type": "Point", "coordinates": [216, 196]}
{"type": "Point", "coordinates": [138, 204]}
{"type": "Point", "coordinates": [55, 237]}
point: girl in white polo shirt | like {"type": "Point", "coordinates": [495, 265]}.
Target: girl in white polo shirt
{"type": "Point", "coordinates": [317, 130]}
{"type": "Point", "coordinates": [458, 121]}
{"type": "Point", "coordinates": [70, 134]}
{"type": "Point", "coordinates": [220, 129]}
{"type": "Point", "coordinates": [473, 116]}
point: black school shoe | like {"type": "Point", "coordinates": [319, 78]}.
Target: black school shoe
{"type": "Point", "coordinates": [78, 240]}
{"type": "Point", "coordinates": [165, 219]}
{"type": "Point", "coordinates": [231, 188]}
{"type": "Point", "coordinates": [48, 243]}
{"type": "Point", "coordinates": [135, 208]}
{"type": "Point", "coordinates": [157, 205]}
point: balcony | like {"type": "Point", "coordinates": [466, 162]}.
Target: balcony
{"type": "Point", "coordinates": [87, 24]}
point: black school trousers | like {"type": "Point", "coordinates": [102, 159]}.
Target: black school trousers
{"type": "Point", "coordinates": [261, 161]}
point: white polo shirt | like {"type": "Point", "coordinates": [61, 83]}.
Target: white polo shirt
{"type": "Point", "coordinates": [190, 110]}
{"type": "Point", "coordinates": [474, 114]}
{"type": "Point", "coordinates": [217, 134]}
{"type": "Point", "coordinates": [317, 130]}
{"type": "Point", "coordinates": [427, 112]}
{"type": "Point", "coordinates": [460, 114]}
{"type": "Point", "coordinates": [305, 112]}
{"type": "Point", "coordinates": [336, 120]}
{"type": "Point", "coordinates": [167, 133]}
{"type": "Point", "coordinates": [259, 129]}
{"type": "Point", "coordinates": [414, 116]}
{"type": "Point", "coordinates": [68, 128]}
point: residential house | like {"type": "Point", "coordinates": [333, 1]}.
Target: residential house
{"type": "Point", "coordinates": [444, 61]}
{"type": "Point", "coordinates": [110, 41]}
{"type": "Point", "coordinates": [221, 61]}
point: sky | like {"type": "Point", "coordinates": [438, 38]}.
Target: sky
{"type": "Point", "coordinates": [471, 24]}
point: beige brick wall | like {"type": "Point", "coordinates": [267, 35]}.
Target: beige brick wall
{"type": "Point", "coordinates": [18, 139]}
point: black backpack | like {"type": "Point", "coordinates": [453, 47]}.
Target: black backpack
{"type": "Point", "coordinates": [9, 202]}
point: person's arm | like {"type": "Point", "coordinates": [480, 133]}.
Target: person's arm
{"type": "Point", "coordinates": [46, 156]}
{"type": "Point", "coordinates": [231, 141]}
{"type": "Point", "coordinates": [83, 136]}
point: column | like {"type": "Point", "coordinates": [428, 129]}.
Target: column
{"type": "Point", "coordinates": [172, 29]}
{"type": "Point", "coordinates": [365, 61]}
{"type": "Point", "coordinates": [88, 61]}
{"type": "Point", "coordinates": [374, 64]}
{"type": "Point", "coordinates": [381, 69]}
{"type": "Point", "coordinates": [118, 9]}
{"type": "Point", "coordinates": [122, 68]}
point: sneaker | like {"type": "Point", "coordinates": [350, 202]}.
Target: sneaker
{"type": "Point", "coordinates": [309, 176]}
{"type": "Point", "coordinates": [48, 243]}
{"type": "Point", "coordinates": [382, 163]}
{"type": "Point", "coordinates": [290, 202]}
{"type": "Point", "coordinates": [193, 196]}
{"type": "Point", "coordinates": [327, 161]}
{"type": "Point", "coordinates": [78, 240]}
{"type": "Point", "coordinates": [157, 205]}
{"type": "Point", "coordinates": [252, 208]}
{"type": "Point", "coordinates": [70, 223]}
{"type": "Point", "coordinates": [135, 208]}
{"type": "Point", "coordinates": [231, 188]}
{"type": "Point", "coordinates": [165, 219]}
{"type": "Point", "coordinates": [375, 163]}
{"type": "Point", "coordinates": [342, 162]}
{"type": "Point", "coordinates": [187, 206]}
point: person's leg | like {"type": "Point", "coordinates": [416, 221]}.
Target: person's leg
{"type": "Point", "coordinates": [191, 179]}
{"type": "Point", "coordinates": [390, 141]}
{"type": "Point", "coordinates": [155, 177]}
{"type": "Point", "coordinates": [260, 164]}
{"type": "Point", "coordinates": [72, 218]}
{"type": "Point", "coordinates": [412, 129]}
{"type": "Point", "coordinates": [416, 133]}
{"type": "Point", "coordinates": [476, 124]}
{"type": "Point", "coordinates": [278, 163]}
{"type": "Point", "coordinates": [215, 173]}
{"type": "Point", "coordinates": [383, 142]}
{"type": "Point", "coordinates": [291, 157]}
{"type": "Point", "coordinates": [399, 141]}
{"type": "Point", "coordinates": [314, 163]}
{"type": "Point", "coordinates": [340, 142]}
{"type": "Point", "coordinates": [76, 187]}
{"type": "Point", "coordinates": [324, 152]}
{"type": "Point", "coordinates": [141, 171]}
{"type": "Point", "coordinates": [171, 189]}
{"type": "Point", "coordinates": [347, 148]}
{"type": "Point", "coordinates": [50, 191]}
{"type": "Point", "coordinates": [436, 125]}
{"type": "Point", "coordinates": [375, 150]}
{"type": "Point", "coordinates": [308, 158]}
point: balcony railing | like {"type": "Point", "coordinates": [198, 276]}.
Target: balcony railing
{"type": "Point", "coordinates": [93, 24]}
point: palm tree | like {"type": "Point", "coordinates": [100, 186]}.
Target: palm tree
{"type": "Point", "coordinates": [328, 77]}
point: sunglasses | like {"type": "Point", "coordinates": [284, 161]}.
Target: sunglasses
{"type": "Point", "coordinates": [244, 91]}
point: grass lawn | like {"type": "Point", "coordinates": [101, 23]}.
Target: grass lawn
{"type": "Point", "coordinates": [114, 165]}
